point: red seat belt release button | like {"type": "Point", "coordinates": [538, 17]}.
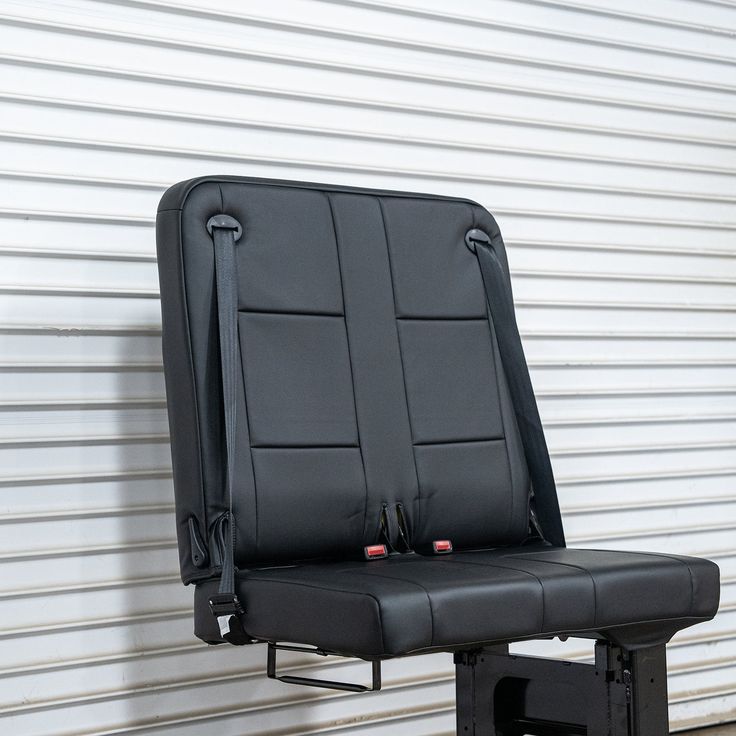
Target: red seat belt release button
{"type": "Point", "coordinates": [375, 551]}
{"type": "Point", "coordinates": [442, 546]}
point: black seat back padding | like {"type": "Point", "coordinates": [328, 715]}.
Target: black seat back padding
{"type": "Point", "coordinates": [371, 373]}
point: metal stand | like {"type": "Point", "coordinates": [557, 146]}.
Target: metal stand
{"type": "Point", "coordinates": [352, 687]}
{"type": "Point", "coordinates": [623, 694]}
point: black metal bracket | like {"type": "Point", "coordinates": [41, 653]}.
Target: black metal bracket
{"type": "Point", "coordinates": [315, 682]}
{"type": "Point", "coordinates": [624, 693]}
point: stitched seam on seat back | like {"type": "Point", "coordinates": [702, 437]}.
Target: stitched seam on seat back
{"type": "Point", "coordinates": [243, 358]}
{"type": "Point", "coordinates": [440, 319]}
{"type": "Point", "coordinates": [576, 567]}
{"type": "Point", "coordinates": [471, 441]}
{"type": "Point", "coordinates": [401, 358]}
{"type": "Point", "coordinates": [289, 313]}
{"type": "Point", "coordinates": [250, 445]}
{"type": "Point", "coordinates": [350, 362]}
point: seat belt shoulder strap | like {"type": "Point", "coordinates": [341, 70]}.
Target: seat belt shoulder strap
{"type": "Point", "coordinates": [226, 231]}
{"type": "Point", "coordinates": [501, 307]}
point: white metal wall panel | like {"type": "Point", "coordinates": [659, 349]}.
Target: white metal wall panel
{"type": "Point", "coordinates": [601, 134]}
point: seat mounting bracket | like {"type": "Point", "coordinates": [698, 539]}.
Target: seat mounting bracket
{"type": "Point", "coordinates": [624, 693]}
{"type": "Point", "coordinates": [316, 682]}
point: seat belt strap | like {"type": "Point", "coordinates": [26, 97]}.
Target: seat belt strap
{"type": "Point", "coordinates": [501, 306]}
{"type": "Point", "coordinates": [225, 232]}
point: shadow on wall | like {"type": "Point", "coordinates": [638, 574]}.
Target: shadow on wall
{"type": "Point", "coordinates": [168, 680]}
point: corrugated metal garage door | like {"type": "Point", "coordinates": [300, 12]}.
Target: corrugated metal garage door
{"type": "Point", "coordinates": [600, 133]}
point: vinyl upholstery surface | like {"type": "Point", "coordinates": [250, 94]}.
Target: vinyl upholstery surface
{"type": "Point", "coordinates": [371, 378]}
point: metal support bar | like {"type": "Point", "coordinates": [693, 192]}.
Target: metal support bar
{"type": "Point", "coordinates": [648, 709]}
{"type": "Point", "coordinates": [624, 693]}
{"type": "Point", "coordinates": [315, 682]}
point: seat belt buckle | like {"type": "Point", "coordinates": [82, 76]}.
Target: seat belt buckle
{"type": "Point", "coordinates": [375, 551]}
{"type": "Point", "coordinates": [226, 607]}
{"type": "Point", "coordinates": [442, 546]}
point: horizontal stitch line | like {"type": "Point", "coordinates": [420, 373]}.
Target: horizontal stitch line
{"type": "Point", "coordinates": [480, 440]}
{"type": "Point", "coordinates": [336, 315]}
{"type": "Point", "coordinates": [305, 447]}
{"type": "Point", "coordinates": [484, 318]}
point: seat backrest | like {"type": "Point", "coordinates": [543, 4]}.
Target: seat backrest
{"type": "Point", "coordinates": [370, 374]}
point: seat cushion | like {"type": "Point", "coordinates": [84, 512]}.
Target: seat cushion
{"type": "Point", "coordinates": [409, 603]}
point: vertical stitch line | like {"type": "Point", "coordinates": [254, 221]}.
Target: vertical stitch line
{"type": "Point", "coordinates": [350, 360]}
{"type": "Point", "coordinates": [247, 424]}
{"type": "Point", "coordinates": [585, 570]}
{"type": "Point", "coordinates": [496, 566]}
{"type": "Point", "coordinates": [682, 561]}
{"type": "Point", "coordinates": [401, 359]}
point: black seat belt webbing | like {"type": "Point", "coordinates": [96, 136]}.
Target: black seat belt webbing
{"type": "Point", "coordinates": [501, 305]}
{"type": "Point", "coordinates": [226, 231]}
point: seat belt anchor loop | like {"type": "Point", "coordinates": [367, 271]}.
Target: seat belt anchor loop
{"type": "Point", "coordinates": [225, 222]}
{"type": "Point", "coordinates": [476, 236]}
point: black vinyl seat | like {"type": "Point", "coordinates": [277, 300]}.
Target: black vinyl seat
{"type": "Point", "coordinates": [344, 370]}
{"type": "Point", "coordinates": [409, 603]}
